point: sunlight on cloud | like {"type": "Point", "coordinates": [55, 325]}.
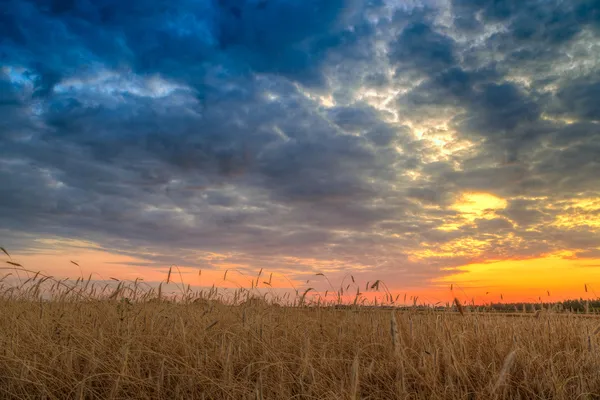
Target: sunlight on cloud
{"type": "Point", "coordinates": [414, 176]}
{"type": "Point", "coordinates": [472, 206]}
{"type": "Point", "coordinates": [580, 213]}
{"type": "Point", "coordinates": [381, 99]}
{"type": "Point", "coordinates": [479, 205]}
{"type": "Point", "coordinates": [325, 100]}
{"type": "Point", "coordinates": [553, 118]}
{"type": "Point", "coordinates": [443, 143]}
{"type": "Point", "coordinates": [469, 247]}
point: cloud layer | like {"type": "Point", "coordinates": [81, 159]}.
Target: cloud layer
{"type": "Point", "coordinates": [303, 135]}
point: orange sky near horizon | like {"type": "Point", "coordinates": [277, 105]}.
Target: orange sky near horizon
{"type": "Point", "coordinates": [561, 274]}
{"type": "Point", "coordinates": [551, 278]}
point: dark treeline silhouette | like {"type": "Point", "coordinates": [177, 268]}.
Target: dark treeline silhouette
{"type": "Point", "coordinates": [573, 305]}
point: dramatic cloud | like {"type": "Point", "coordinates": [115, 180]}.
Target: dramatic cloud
{"type": "Point", "coordinates": [399, 140]}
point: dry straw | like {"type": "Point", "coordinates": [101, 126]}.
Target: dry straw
{"type": "Point", "coordinates": [85, 339]}
{"type": "Point", "coordinates": [508, 362]}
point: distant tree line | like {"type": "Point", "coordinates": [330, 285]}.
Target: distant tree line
{"type": "Point", "coordinates": [574, 305]}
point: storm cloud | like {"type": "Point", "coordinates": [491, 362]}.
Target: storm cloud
{"type": "Point", "coordinates": [344, 132]}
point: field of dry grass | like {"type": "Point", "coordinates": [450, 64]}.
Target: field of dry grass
{"type": "Point", "coordinates": [125, 343]}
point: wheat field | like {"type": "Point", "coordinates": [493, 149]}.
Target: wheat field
{"type": "Point", "coordinates": [74, 340]}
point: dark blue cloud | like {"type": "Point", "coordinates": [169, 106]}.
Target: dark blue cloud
{"type": "Point", "coordinates": [500, 108]}
{"type": "Point", "coordinates": [181, 40]}
{"type": "Point", "coordinates": [534, 29]}
{"type": "Point", "coordinates": [579, 98]}
{"type": "Point", "coordinates": [366, 120]}
{"type": "Point", "coordinates": [420, 47]}
{"type": "Point", "coordinates": [287, 38]}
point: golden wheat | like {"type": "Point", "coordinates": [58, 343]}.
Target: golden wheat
{"type": "Point", "coordinates": [82, 340]}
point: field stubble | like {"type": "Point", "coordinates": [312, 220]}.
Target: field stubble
{"type": "Point", "coordinates": [87, 345]}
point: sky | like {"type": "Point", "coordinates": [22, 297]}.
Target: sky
{"type": "Point", "coordinates": [423, 143]}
